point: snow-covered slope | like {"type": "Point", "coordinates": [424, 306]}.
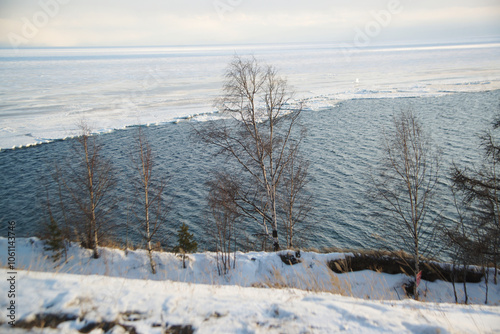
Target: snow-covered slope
{"type": "Point", "coordinates": [241, 302]}
{"type": "Point", "coordinates": [149, 306]}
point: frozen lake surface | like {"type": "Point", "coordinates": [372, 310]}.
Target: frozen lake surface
{"type": "Point", "coordinates": [44, 93]}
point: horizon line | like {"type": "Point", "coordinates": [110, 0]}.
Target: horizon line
{"type": "Point", "coordinates": [417, 42]}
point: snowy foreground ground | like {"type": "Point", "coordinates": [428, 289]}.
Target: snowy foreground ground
{"type": "Point", "coordinates": [117, 293]}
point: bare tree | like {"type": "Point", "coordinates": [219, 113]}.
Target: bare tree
{"type": "Point", "coordinates": [262, 137]}
{"type": "Point", "coordinates": [294, 201]}
{"type": "Point", "coordinates": [481, 194]}
{"type": "Point", "coordinates": [222, 201]}
{"type": "Point", "coordinates": [151, 189]}
{"type": "Point", "coordinates": [458, 236]}
{"type": "Point", "coordinates": [89, 181]}
{"type": "Point", "coordinates": [407, 183]}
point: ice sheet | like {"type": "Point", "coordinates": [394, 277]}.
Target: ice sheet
{"type": "Point", "coordinates": [46, 93]}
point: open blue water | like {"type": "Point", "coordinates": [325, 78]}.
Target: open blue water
{"type": "Point", "coordinates": [343, 146]}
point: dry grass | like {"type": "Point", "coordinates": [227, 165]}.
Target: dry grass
{"type": "Point", "coordinates": [308, 281]}
{"type": "Point", "coordinates": [109, 243]}
{"type": "Point", "coordinates": [301, 276]}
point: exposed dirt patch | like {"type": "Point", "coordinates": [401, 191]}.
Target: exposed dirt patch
{"type": "Point", "coordinates": [45, 320]}
{"type": "Point", "coordinates": [402, 265]}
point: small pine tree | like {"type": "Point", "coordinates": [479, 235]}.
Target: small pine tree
{"type": "Point", "coordinates": [187, 244]}
{"type": "Point", "coordinates": [55, 240]}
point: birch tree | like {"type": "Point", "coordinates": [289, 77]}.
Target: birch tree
{"type": "Point", "coordinates": [407, 184]}
{"type": "Point", "coordinates": [89, 181]}
{"type": "Point", "coordinates": [294, 200]}
{"type": "Point", "coordinates": [261, 138]}
{"type": "Point", "coordinates": [150, 190]}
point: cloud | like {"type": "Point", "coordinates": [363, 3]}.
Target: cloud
{"type": "Point", "coordinates": [452, 14]}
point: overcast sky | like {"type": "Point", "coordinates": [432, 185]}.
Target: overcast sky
{"type": "Point", "coordinates": [192, 22]}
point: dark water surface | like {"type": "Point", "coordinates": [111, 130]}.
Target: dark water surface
{"type": "Point", "coordinates": [343, 146]}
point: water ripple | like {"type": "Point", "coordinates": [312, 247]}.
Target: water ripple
{"type": "Point", "coordinates": [343, 146]}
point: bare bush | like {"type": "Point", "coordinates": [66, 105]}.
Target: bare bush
{"type": "Point", "coordinates": [226, 214]}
